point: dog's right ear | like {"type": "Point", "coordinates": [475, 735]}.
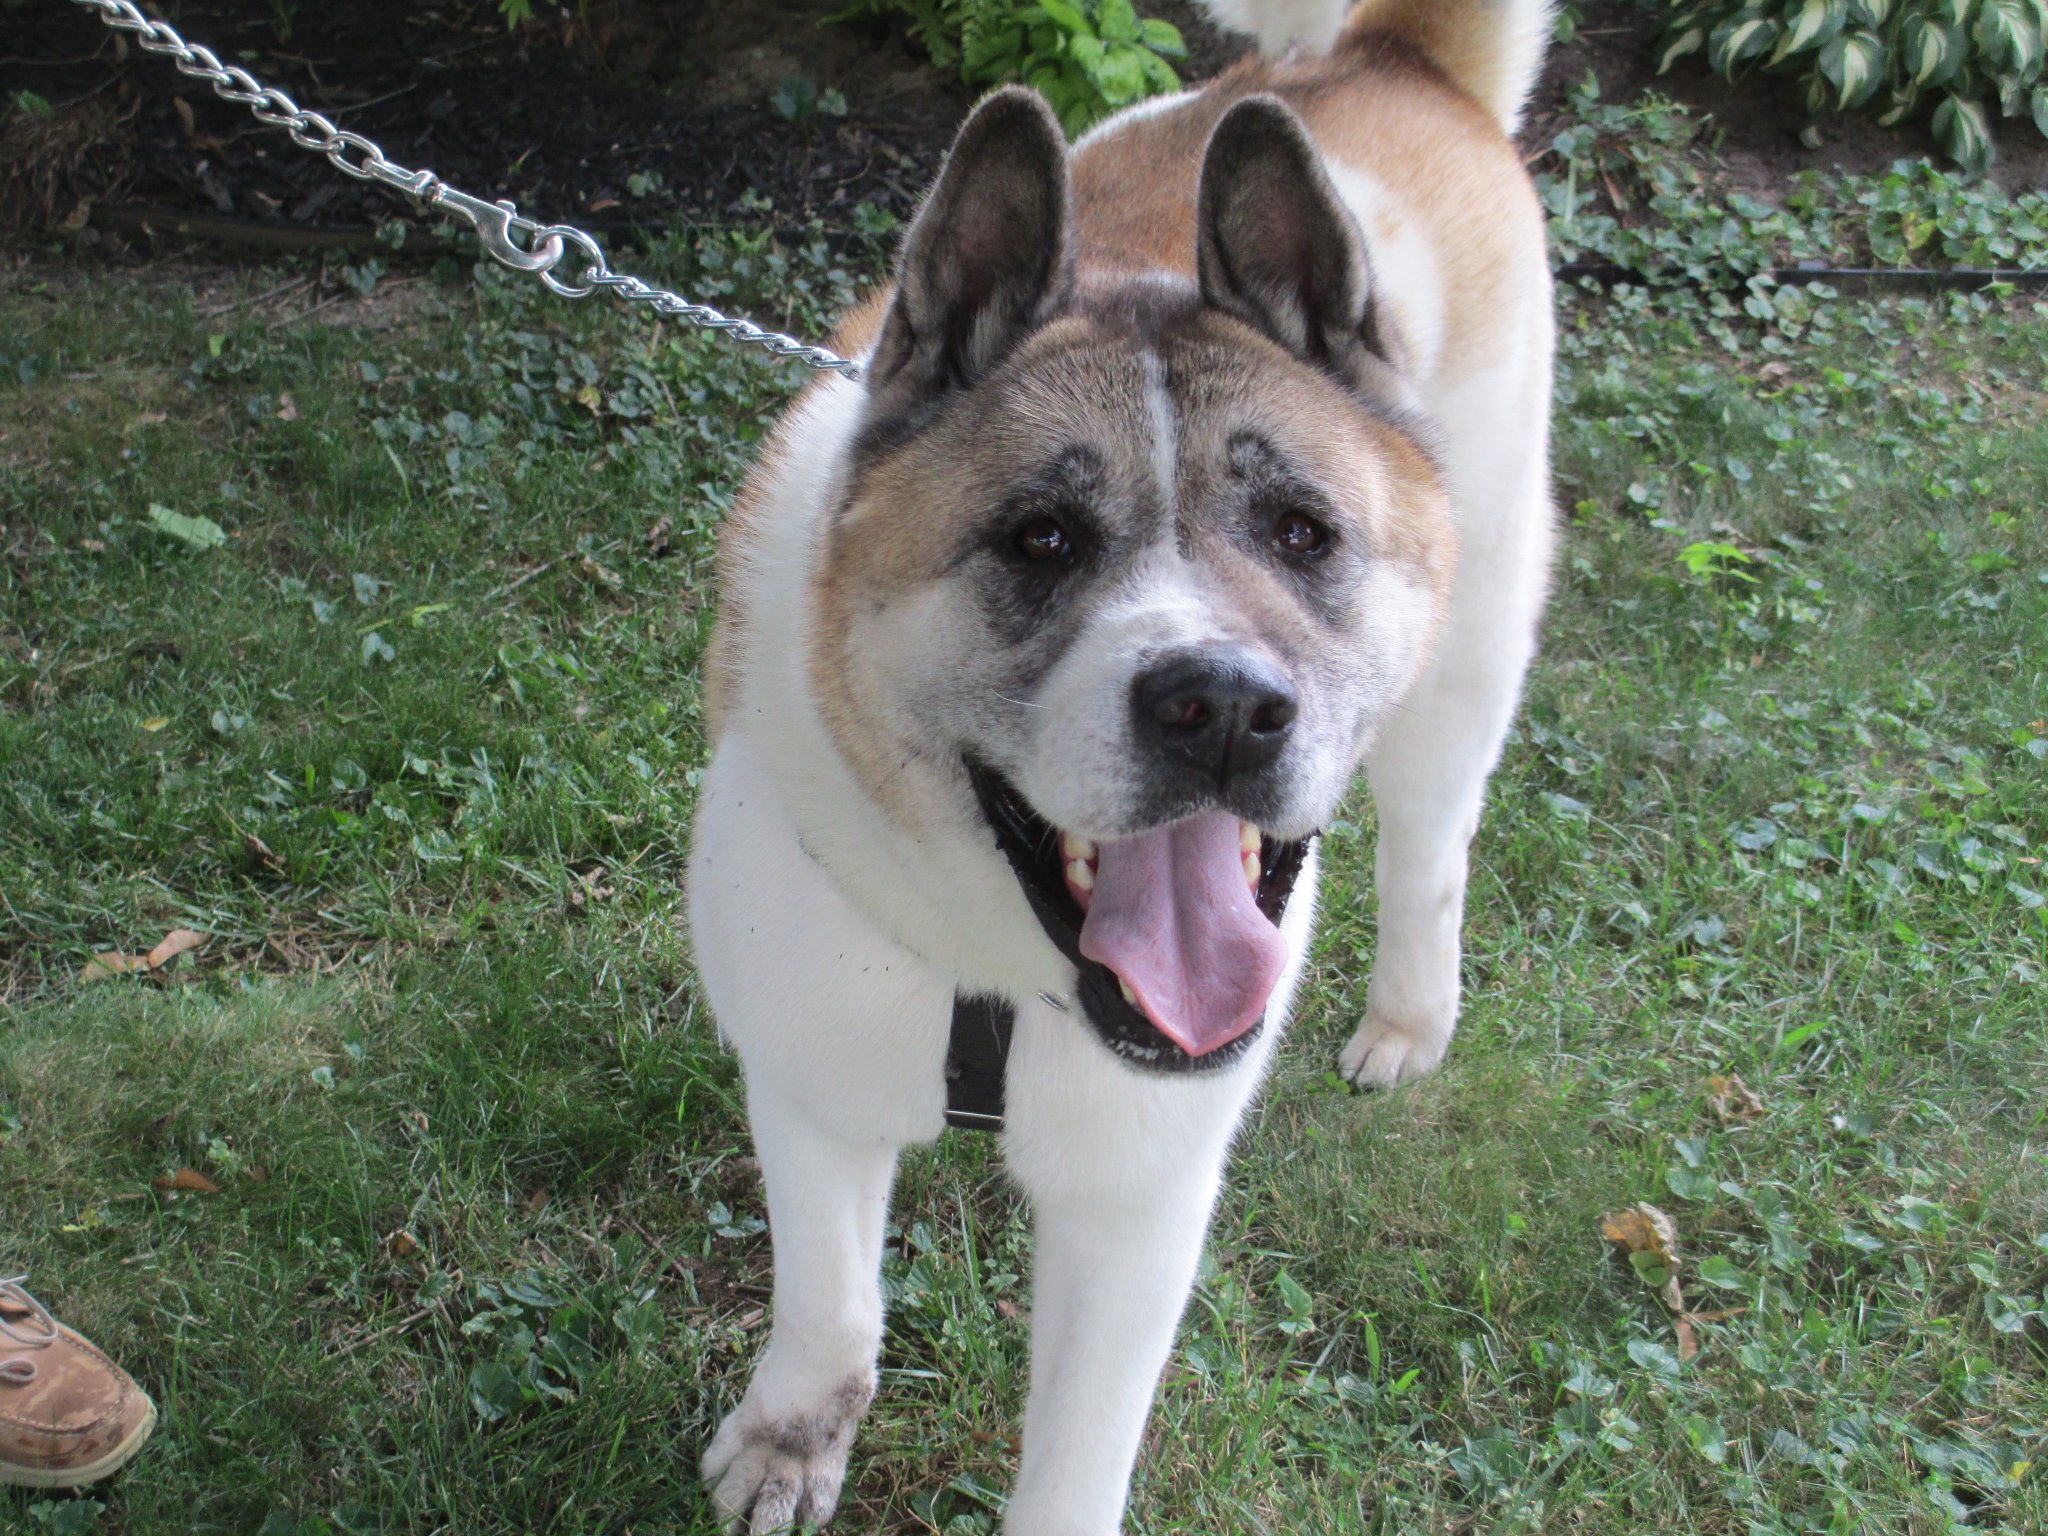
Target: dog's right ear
{"type": "Point", "coordinates": [986, 254]}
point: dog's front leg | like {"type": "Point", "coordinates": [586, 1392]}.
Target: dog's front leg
{"type": "Point", "coordinates": [779, 1458]}
{"type": "Point", "coordinates": [1110, 1279]}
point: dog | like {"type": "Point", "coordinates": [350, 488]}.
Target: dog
{"type": "Point", "coordinates": [1192, 469]}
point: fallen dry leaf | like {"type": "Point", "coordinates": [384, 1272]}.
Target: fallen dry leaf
{"type": "Point", "coordinates": [656, 538]}
{"type": "Point", "coordinates": [1642, 1228]}
{"type": "Point", "coordinates": [1687, 1324]}
{"type": "Point", "coordinates": [155, 723]}
{"type": "Point", "coordinates": [175, 943]}
{"type": "Point", "coordinates": [112, 963]}
{"type": "Point", "coordinates": [287, 408]}
{"type": "Point", "coordinates": [401, 1244]}
{"type": "Point", "coordinates": [590, 887]}
{"type": "Point", "coordinates": [260, 853]}
{"type": "Point", "coordinates": [536, 1200]}
{"type": "Point", "coordinates": [183, 108]}
{"type": "Point", "coordinates": [1732, 1100]}
{"type": "Point", "coordinates": [185, 1179]}
{"type": "Point", "coordinates": [1688, 1343]}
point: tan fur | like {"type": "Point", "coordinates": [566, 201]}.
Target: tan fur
{"type": "Point", "coordinates": [1376, 106]}
{"type": "Point", "coordinates": [1493, 58]}
{"type": "Point", "coordinates": [723, 663]}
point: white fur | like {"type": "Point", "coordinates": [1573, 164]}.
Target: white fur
{"type": "Point", "coordinates": [1282, 24]}
{"type": "Point", "coordinates": [1429, 767]}
{"type": "Point", "coordinates": [831, 945]}
{"type": "Point", "coordinates": [1406, 274]}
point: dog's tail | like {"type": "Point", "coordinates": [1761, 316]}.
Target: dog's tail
{"type": "Point", "coordinates": [1491, 49]}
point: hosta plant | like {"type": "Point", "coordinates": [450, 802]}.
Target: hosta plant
{"type": "Point", "coordinates": [1960, 60]}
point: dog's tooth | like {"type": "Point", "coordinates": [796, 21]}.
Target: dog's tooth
{"type": "Point", "coordinates": [1080, 875]}
{"type": "Point", "coordinates": [1073, 847]}
{"type": "Point", "coordinates": [1251, 868]}
{"type": "Point", "coordinates": [1248, 836]}
{"type": "Point", "coordinates": [1125, 988]}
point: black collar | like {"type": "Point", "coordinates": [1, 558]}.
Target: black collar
{"type": "Point", "coordinates": [977, 1057]}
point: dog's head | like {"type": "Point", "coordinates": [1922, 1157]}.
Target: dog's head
{"type": "Point", "coordinates": [1144, 561]}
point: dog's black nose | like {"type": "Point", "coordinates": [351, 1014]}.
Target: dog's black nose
{"type": "Point", "coordinates": [1224, 713]}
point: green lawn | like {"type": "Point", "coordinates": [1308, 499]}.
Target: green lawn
{"type": "Point", "coordinates": [415, 747]}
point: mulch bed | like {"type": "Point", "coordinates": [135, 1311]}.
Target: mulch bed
{"type": "Point", "coordinates": [623, 112]}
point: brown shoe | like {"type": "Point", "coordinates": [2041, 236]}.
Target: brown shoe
{"type": "Point", "coordinates": [68, 1415]}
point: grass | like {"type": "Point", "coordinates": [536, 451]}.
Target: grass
{"type": "Point", "coordinates": [414, 745]}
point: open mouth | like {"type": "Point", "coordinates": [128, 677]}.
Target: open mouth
{"type": "Point", "coordinates": [1174, 932]}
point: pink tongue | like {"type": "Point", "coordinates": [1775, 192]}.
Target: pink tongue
{"type": "Point", "coordinates": [1173, 915]}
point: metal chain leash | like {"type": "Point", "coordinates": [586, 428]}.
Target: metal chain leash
{"type": "Point", "coordinates": [499, 225]}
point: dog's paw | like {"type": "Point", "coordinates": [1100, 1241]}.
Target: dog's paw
{"type": "Point", "coordinates": [779, 1472]}
{"type": "Point", "coordinates": [1384, 1053]}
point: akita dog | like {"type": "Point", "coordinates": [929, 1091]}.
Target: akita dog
{"type": "Point", "coordinates": [1192, 469]}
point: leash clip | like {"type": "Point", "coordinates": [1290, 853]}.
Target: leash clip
{"type": "Point", "coordinates": [495, 224]}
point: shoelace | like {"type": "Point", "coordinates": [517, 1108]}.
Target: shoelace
{"type": "Point", "coordinates": [19, 1373]}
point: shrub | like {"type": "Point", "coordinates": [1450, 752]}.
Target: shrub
{"type": "Point", "coordinates": [1086, 57]}
{"type": "Point", "coordinates": [1897, 58]}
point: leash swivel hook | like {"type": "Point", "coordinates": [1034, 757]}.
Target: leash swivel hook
{"type": "Point", "coordinates": [496, 224]}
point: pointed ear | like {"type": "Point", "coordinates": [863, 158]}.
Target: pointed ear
{"type": "Point", "coordinates": [1279, 250]}
{"type": "Point", "coordinates": [985, 255]}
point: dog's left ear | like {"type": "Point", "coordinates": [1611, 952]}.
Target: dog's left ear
{"type": "Point", "coordinates": [985, 256]}
{"type": "Point", "coordinates": [1278, 249]}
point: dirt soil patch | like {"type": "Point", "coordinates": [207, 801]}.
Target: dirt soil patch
{"type": "Point", "coordinates": [628, 113]}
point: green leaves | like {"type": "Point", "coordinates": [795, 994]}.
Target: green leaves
{"type": "Point", "coordinates": [1722, 1274]}
{"type": "Point", "coordinates": [1162, 37]}
{"type": "Point", "coordinates": [1086, 57]}
{"type": "Point", "coordinates": [1738, 39]}
{"type": "Point", "coordinates": [1301, 1311]}
{"type": "Point", "coordinates": [67, 1517]}
{"type": "Point", "coordinates": [1707, 1437]}
{"type": "Point", "coordinates": [1892, 57]}
{"type": "Point", "coordinates": [1853, 63]}
{"type": "Point", "coordinates": [1963, 129]}
{"type": "Point", "coordinates": [1810, 24]}
{"type": "Point", "coordinates": [198, 534]}
{"type": "Point", "coordinates": [1680, 40]}
{"type": "Point", "coordinates": [2008, 32]}
{"type": "Point", "coordinates": [494, 1392]}
{"type": "Point", "coordinates": [1930, 50]}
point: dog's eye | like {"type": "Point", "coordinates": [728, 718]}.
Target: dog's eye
{"type": "Point", "coordinates": [1044, 538]}
{"type": "Point", "coordinates": [1299, 534]}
